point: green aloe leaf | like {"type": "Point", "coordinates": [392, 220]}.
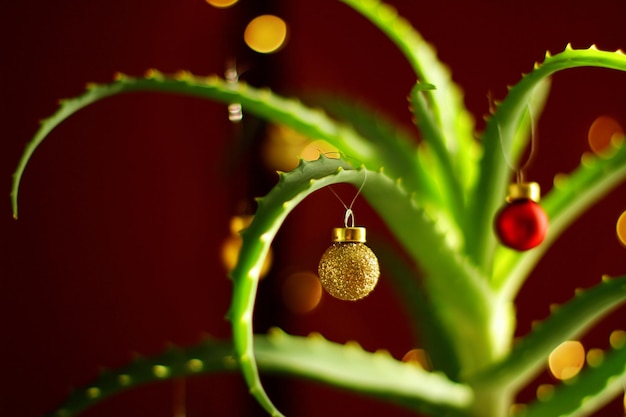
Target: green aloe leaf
{"type": "Point", "coordinates": [443, 166]}
{"type": "Point", "coordinates": [500, 132]}
{"type": "Point", "coordinates": [444, 105]}
{"type": "Point", "coordinates": [566, 322]}
{"type": "Point", "coordinates": [209, 356]}
{"type": "Point", "coordinates": [352, 368]}
{"type": "Point", "coordinates": [572, 194]}
{"type": "Point", "coordinates": [262, 102]}
{"type": "Point", "coordinates": [437, 103]}
{"type": "Point", "coordinates": [344, 366]}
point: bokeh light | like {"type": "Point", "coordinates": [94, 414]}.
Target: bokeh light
{"type": "Point", "coordinates": [302, 292]}
{"type": "Point", "coordinates": [617, 339]}
{"type": "Point", "coordinates": [620, 228]}
{"type": "Point", "coordinates": [567, 360]}
{"type": "Point", "coordinates": [517, 409]}
{"type": "Point", "coordinates": [595, 357]}
{"type": "Point", "coordinates": [545, 392]}
{"type": "Point", "coordinates": [230, 252]}
{"type": "Point", "coordinates": [232, 246]}
{"type": "Point", "coordinates": [222, 4]}
{"type": "Point", "coordinates": [603, 132]}
{"type": "Point", "coordinates": [283, 146]}
{"type": "Point", "coordinates": [313, 150]}
{"type": "Point", "coordinates": [266, 33]}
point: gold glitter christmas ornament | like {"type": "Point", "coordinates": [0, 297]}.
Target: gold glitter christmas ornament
{"type": "Point", "coordinates": [348, 269]}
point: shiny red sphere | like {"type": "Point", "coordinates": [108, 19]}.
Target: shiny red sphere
{"type": "Point", "coordinates": [521, 225]}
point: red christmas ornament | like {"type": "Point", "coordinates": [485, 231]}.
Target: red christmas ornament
{"type": "Point", "coordinates": [522, 224]}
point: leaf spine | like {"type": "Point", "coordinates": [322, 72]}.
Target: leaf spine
{"type": "Point", "coordinates": [124, 379]}
{"type": "Point", "coordinates": [161, 371]}
{"type": "Point", "coordinates": [194, 365]}
{"type": "Point", "coordinates": [182, 75]}
{"type": "Point", "coordinates": [316, 336]}
{"type": "Point", "coordinates": [153, 74]}
{"type": "Point", "coordinates": [275, 332]}
{"type": "Point", "coordinates": [353, 344]}
{"type": "Point", "coordinates": [93, 392]}
{"type": "Point", "coordinates": [383, 353]}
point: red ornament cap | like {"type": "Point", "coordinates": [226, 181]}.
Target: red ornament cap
{"type": "Point", "coordinates": [521, 224]}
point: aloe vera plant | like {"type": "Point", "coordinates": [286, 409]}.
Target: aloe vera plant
{"type": "Point", "coordinates": [438, 197]}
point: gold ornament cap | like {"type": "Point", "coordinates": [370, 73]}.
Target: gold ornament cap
{"type": "Point", "coordinates": [524, 191]}
{"type": "Point", "coordinates": [349, 234]}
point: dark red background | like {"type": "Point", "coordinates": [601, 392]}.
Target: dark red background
{"type": "Point", "coordinates": [125, 206]}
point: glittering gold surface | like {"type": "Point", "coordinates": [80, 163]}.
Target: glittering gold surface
{"type": "Point", "coordinates": [348, 271]}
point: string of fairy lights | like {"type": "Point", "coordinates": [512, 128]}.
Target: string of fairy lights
{"type": "Point", "coordinates": [266, 34]}
{"type": "Point", "coordinates": [300, 290]}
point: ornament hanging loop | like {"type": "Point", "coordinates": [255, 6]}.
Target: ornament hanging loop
{"type": "Point", "coordinates": [520, 167]}
{"type": "Point", "coordinates": [348, 218]}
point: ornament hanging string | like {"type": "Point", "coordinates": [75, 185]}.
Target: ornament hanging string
{"type": "Point", "coordinates": [521, 224]}
{"type": "Point", "coordinates": [348, 220]}
{"type": "Point", "coordinates": [519, 171]}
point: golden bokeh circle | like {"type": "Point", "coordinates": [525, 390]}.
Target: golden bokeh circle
{"type": "Point", "coordinates": [566, 361]}
{"type": "Point", "coordinates": [221, 4]}
{"type": "Point", "coordinates": [617, 339]}
{"type": "Point", "coordinates": [602, 133]}
{"type": "Point", "coordinates": [302, 292]}
{"type": "Point", "coordinates": [620, 228]}
{"type": "Point", "coordinates": [231, 246]}
{"type": "Point", "coordinates": [266, 33]}
{"type": "Point", "coordinates": [545, 392]}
